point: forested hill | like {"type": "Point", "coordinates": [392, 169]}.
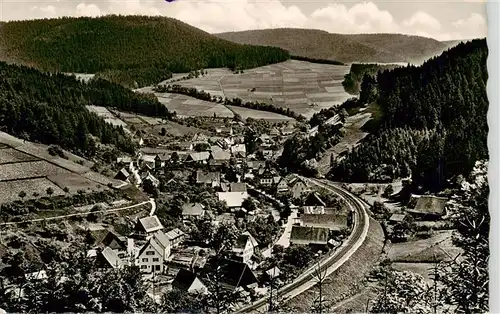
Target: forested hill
{"type": "Point", "coordinates": [346, 48]}
{"type": "Point", "coordinates": [434, 120]}
{"type": "Point", "coordinates": [50, 108]}
{"type": "Point", "coordinates": [125, 48]}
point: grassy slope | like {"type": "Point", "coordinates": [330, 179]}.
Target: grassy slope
{"type": "Point", "coordinates": [348, 279]}
{"type": "Point", "coordinates": [345, 48]}
{"type": "Point", "coordinates": [90, 45]}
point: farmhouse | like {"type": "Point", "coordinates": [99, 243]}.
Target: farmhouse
{"type": "Point", "coordinates": [282, 186]}
{"type": "Point", "coordinates": [147, 226]}
{"type": "Point", "coordinates": [309, 235]}
{"type": "Point", "coordinates": [193, 211]}
{"type": "Point", "coordinates": [244, 247]}
{"type": "Point", "coordinates": [334, 222]}
{"type": "Point", "coordinates": [428, 207]}
{"type": "Point", "coordinates": [188, 282]}
{"type": "Point", "coordinates": [233, 199]}
{"type": "Point", "coordinates": [154, 253]}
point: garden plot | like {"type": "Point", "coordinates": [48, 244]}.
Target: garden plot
{"type": "Point", "coordinates": [10, 155]}
{"type": "Point", "coordinates": [26, 170]}
{"type": "Point", "coordinates": [75, 182]}
{"type": "Point", "coordinates": [439, 245]}
{"type": "Point", "coordinates": [10, 190]}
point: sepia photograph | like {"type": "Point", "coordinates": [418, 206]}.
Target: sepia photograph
{"type": "Point", "coordinates": [245, 156]}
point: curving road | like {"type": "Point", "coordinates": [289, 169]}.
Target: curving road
{"type": "Point", "coordinates": [330, 263]}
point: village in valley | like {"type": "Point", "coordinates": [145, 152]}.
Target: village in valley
{"type": "Point", "coordinates": [210, 208]}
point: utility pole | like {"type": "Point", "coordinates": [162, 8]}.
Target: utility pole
{"type": "Point", "coordinates": [320, 279]}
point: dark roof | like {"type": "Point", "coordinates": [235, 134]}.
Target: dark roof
{"type": "Point", "coordinates": [429, 205]}
{"type": "Point", "coordinates": [123, 173]}
{"type": "Point", "coordinates": [237, 274]}
{"type": "Point", "coordinates": [113, 241]}
{"type": "Point", "coordinates": [313, 199]}
{"type": "Point", "coordinates": [242, 240]}
{"type": "Point", "coordinates": [238, 187]}
{"type": "Point", "coordinates": [331, 221]}
{"type": "Point", "coordinates": [183, 280]}
{"type": "Point", "coordinates": [312, 235]}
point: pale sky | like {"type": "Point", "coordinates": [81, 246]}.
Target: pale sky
{"type": "Point", "coordinates": [443, 20]}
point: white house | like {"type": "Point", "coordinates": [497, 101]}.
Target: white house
{"type": "Point", "coordinates": [244, 247]}
{"type": "Point", "coordinates": [154, 253]}
{"type": "Point", "coordinates": [233, 199]}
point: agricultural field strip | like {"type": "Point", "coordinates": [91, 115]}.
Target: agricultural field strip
{"type": "Point", "coordinates": [305, 79]}
{"type": "Point", "coordinates": [105, 211]}
{"type": "Point", "coordinates": [10, 190]}
{"type": "Point", "coordinates": [61, 166]}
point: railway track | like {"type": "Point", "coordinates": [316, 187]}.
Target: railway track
{"type": "Point", "coordinates": [330, 263]}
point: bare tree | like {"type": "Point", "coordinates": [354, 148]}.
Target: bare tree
{"type": "Point", "coordinates": [321, 277]}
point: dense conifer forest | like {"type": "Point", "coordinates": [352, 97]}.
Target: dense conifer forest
{"type": "Point", "coordinates": [352, 80]}
{"type": "Point", "coordinates": [127, 49]}
{"type": "Point", "coordinates": [50, 108]}
{"type": "Point", "coordinates": [434, 121]}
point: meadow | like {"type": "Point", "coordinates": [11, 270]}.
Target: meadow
{"type": "Point", "coordinates": [301, 86]}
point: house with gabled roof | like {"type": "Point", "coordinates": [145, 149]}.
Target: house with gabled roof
{"type": "Point", "coordinates": [298, 187]}
{"type": "Point", "coordinates": [146, 226]}
{"type": "Point", "coordinates": [149, 177]}
{"type": "Point", "coordinates": [397, 218]}
{"type": "Point", "coordinates": [175, 236]}
{"type": "Point", "coordinates": [154, 253]}
{"type": "Point", "coordinates": [193, 211]}
{"type": "Point", "coordinates": [236, 274]}
{"type": "Point", "coordinates": [301, 235]}
{"type": "Point", "coordinates": [244, 247]}
{"type": "Point", "coordinates": [221, 156]}
{"type": "Point", "coordinates": [313, 204]}
{"type": "Point", "coordinates": [199, 157]}
{"type": "Point", "coordinates": [187, 281]}
{"type": "Point", "coordinates": [114, 242]}
{"type": "Point", "coordinates": [107, 258]}
{"type": "Point", "coordinates": [428, 207]}
{"type": "Point", "coordinates": [122, 175]}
